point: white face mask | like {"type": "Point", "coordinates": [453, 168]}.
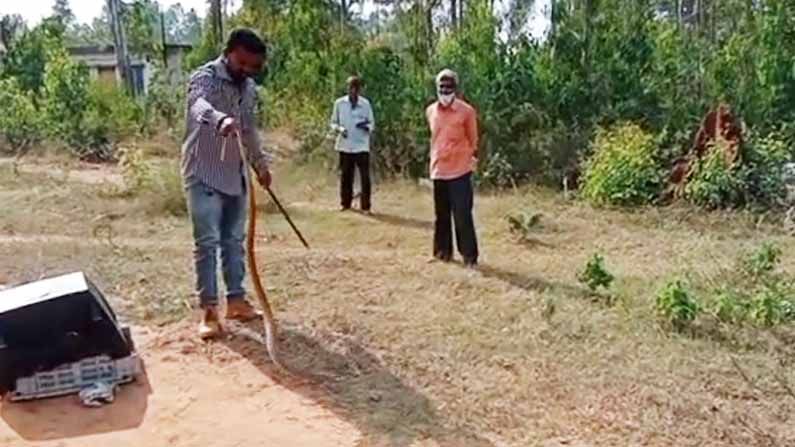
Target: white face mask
{"type": "Point", "coordinates": [446, 100]}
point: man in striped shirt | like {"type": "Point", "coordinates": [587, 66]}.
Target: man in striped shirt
{"type": "Point", "coordinates": [221, 103]}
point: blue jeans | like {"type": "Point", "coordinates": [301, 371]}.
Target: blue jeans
{"type": "Point", "coordinates": [218, 222]}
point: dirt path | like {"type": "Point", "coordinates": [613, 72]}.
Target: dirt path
{"type": "Point", "coordinates": [193, 394]}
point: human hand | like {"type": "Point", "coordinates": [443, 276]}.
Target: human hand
{"type": "Point", "coordinates": [344, 133]}
{"type": "Point", "coordinates": [364, 125]}
{"type": "Point", "coordinates": [229, 127]}
{"type": "Point", "coordinates": [264, 177]}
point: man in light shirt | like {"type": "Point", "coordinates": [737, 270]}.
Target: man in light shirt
{"type": "Point", "coordinates": [454, 146]}
{"type": "Point", "coordinates": [352, 120]}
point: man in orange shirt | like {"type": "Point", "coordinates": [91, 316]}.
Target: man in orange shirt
{"type": "Point", "coordinates": [454, 145]}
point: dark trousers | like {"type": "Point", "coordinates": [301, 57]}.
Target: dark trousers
{"type": "Point", "coordinates": [349, 163]}
{"type": "Point", "coordinates": [453, 201]}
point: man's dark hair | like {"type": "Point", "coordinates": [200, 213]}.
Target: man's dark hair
{"type": "Point", "coordinates": [246, 39]}
{"type": "Point", "coordinates": [354, 81]}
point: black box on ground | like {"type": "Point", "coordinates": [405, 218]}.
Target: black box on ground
{"type": "Point", "coordinates": [59, 320]}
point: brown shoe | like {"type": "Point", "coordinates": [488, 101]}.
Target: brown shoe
{"type": "Point", "coordinates": [241, 310]}
{"type": "Point", "coordinates": [210, 326]}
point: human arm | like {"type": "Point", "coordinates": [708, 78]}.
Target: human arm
{"type": "Point", "coordinates": [201, 90]}
{"type": "Point", "coordinates": [258, 158]}
{"type": "Point", "coordinates": [472, 132]}
{"type": "Point", "coordinates": [335, 123]}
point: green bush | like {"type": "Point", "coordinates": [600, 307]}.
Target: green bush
{"type": "Point", "coordinates": [730, 306]}
{"type": "Point", "coordinates": [754, 291]}
{"type": "Point", "coordinates": [523, 223]}
{"type": "Point", "coordinates": [20, 122]}
{"type": "Point", "coordinates": [763, 261]}
{"type": "Point", "coordinates": [772, 305]}
{"type": "Point", "coordinates": [622, 169]}
{"type": "Point", "coordinates": [676, 305]}
{"type": "Point", "coordinates": [758, 179]}
{"type": "Point", "coordinates": [595, 274]}
{"type": "Point", "coordinates": [65, 98]}
{"type": "Point", "coordinates": [765, 158]}
{"type": "Point", "coordinates": [112, 115]}
{"type": "Point", "coordinates": [714, 183]}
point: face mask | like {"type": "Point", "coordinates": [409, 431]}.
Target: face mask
{"type": "Point", "coordinates": [447, 99]}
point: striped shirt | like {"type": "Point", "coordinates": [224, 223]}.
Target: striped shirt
{"type": "Point", "coordinates": [213, 96]}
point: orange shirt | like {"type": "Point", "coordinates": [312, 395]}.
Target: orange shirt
{"type": "Point", "coordinates": [454, 139]}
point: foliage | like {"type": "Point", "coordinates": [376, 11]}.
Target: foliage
{"type": "Point", "coordinates": [754, 291]}
{"type": "Point", "coordinates": [27, 58]}
{"type": "Point", "coordinates": [112, 114]}
{"type": "Point", "coordinates": [136, 170]}
{"type": "Point", "coordinates": [20, 122]}
{"type": "Point", "coordinates": [765, 158]}
{"type": "Point", "coordinates": [595, 274]}
{"type": "Point", "coordinates": [47, 95]}
{"type": "Point", "coordinates": [676, 305]}
{"type": "Point", "coordinates": [714, 183]}
{"type": "Point", "coordinates": [159, 186]}
{"type": "Point", "coordinates": [523, 223]}
{"type": "Point", "coordinates": [66, 98]}
{"type": "Point", "coordinates": [623, 169]}
{"type": "Point", "coordinates": [763, 261]}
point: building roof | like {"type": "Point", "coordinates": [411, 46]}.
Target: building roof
{"type": "Point", "coordinates": [87, 50]}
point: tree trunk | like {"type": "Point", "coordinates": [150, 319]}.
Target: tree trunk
{"type": "Point", "coordinates": [679, 17]}
{"type": "Point", "coordinates": [429, 28]}
{"type": "Point", "coordinates": [454, 13]}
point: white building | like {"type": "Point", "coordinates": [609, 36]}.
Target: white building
{"type": "Point", "coordinates": [101, 62]}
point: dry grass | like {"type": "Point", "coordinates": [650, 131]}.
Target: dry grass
{"type": "Point", "coordinates": [516, 354]}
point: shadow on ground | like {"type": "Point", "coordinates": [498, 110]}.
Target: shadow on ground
{"type": "Point", "coordinates": [345, 378]}
{"type": "Point", "coordinates": [401, 221]}
{"type": "Point", "coordinates": [530, 283]}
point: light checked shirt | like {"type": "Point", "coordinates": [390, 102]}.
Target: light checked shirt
{"type": "Point", "coordinates": [213, 96]}
{"type": "Point", "coordinates": [346, 117]}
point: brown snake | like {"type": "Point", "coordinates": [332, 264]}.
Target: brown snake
{"type": "Point", "coordinates": [268, 319]}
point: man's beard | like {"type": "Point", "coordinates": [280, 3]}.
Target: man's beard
{"type": "Point", "coordinates": [238, 77]}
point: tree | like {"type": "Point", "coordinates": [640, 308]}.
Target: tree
{"type": "Point", "coordinates": [182, 26]}
{"type": "Point", "coordinates": [27, 58]}
{"type": "Point", "coordinates": [11, 26]}
{"type": "Point", "coordinates": [63, 12]}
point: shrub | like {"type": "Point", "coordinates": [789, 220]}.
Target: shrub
{"type": "Point", "coordinates": [730, 306]}
{"type": "Point", "coordinates": [137, 172]}
{"type": "Point", "coordinates": [165, 193]}
{"type": "Point", "coordinates": [754, 291]}
{"type": "Point", "coordinates": [112, 115]}
{"type": "Point", "coordinates": [595, 274]}
{"type": "Point", "coordinates": [523, 223]}
{"type": "Point", "coordinates": [20, 122]}
{"type": "Point", "coordinates": [765, 158]}
{"type": "Point", "coordinates": [714, 183]}
{"type": "Point", "coordinates": [772, 305]}
{"type": "Point", "coordinates": [763, 261]}
{"type": "Point", "coordinates": [159, 187]}
{"type": "Point", "coordinates": [677, 305]}
{"type": "Point", "coordinates": [622, 169]}
{"type": "Point", "coordinates": [66, 98]}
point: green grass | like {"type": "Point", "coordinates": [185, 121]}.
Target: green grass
{"type": "Point", "coordinates": [511, 353]}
